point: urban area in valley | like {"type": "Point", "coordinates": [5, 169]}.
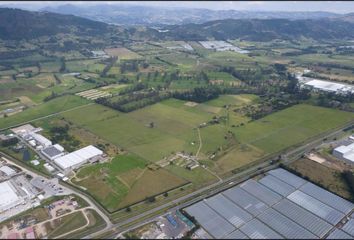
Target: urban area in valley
{"type": "Point", "coordinates": [175, 123]}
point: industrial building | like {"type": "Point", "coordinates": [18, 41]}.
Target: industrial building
{"type": "Point", "coordinates": [327, 86]}
{"type": "Point", "coordinates": [76, 159]}
{"type": "Point", "coordinates": [7, 170]}
{"type": "Point", "coordinates": [280, 205]}
{"type": "Point", "coordinates": [40, 140]}
{"type": "Point", "coordinates": [345, 153]}
{"type": "Point", "coordinates": [53, 152]}
{"type": "Point", "coordinates": [9, 197]}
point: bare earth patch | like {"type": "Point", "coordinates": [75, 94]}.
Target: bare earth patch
{"type": "Point", "coordinates": [191, 104]}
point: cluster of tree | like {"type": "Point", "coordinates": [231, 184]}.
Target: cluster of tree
{"type": "Point", "coordinates": [57, 79]}
{"type": "Point", "coordinates": [200, 94]}
{"type": "Point", "coordinates": [61, 135]}
{"type": "Point", "coordinates": [166, 62]}
{"type": "Point", "coordinates": [136, 87]}
{"type": "Point", "coordinates": [16, 54]}
{"type": "Point", "coordinates": [62, 65]}
{"type": "Point", "coordinates": [129, 66]}
{"type": "Point", "coordinates": [111, 61]}
{"type": "Point", "coordinates": [51, 96]}
{"type": "Point", "coordinates": [349, 178]}
{"type": "Point", "coordinates": [135, 100]}
{"type": "Point", "coordinates": [272, 102]}
{"type": "Point", "coordinates": [332, 100]}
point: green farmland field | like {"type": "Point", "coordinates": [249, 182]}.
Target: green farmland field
{"type": "Point", "coordinates": [54, 106]}
{"type": "Point", "coordinates": [291, 126]}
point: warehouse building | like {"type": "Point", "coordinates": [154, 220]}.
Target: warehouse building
{"type": "Point", "coordinates": [345, 153]}
{"type": "Point", "coordinates": [9, 197]}
{"type": "Point", "coordinates": [279, 205]}
{"type": "Point", "coordinates": [76, 159]}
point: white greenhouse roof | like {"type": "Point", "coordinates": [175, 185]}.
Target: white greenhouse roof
{"type": "Point", "coordinates": [78, 157]}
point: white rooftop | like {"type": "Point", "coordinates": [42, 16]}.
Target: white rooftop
{"type": "Point", "coordinates": [78, 157]}
{"type": "Point", "coordinates": [347, 151]}
{"type": "Point", "coordinates": [41, 139]}
{"type": "Point", "coordinates": [7, 170]}
{"type": "Point", "coordinates": [330, 86]}
{"type": "Point", "coordinates": [8, 196]}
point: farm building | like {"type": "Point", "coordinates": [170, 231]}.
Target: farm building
{"type": "Point", "coordinates": [76, 159]}
{"type": "Point", "coordinates": [8, 196]}
{"type": "Point", "coordinates": [53, 152]}
{"type": "Point", "coordinates": [345, 153]}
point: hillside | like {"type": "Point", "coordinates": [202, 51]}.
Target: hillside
{"type": "Point", "coordinates": [262, 30]}
{"type": "Point", "coordinates": [20, 24]}
{"type": "Point", "coordinates": [154, 16]}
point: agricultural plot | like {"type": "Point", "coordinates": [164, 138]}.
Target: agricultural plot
{"type": "Point", "coordinates": [93, 94]}
{"type": "Point", "coordinates": [92, 66]}
{"type": "Point", "coordinates": [11, 89]}
{"type": "Point", "coordinates": [122, 53]}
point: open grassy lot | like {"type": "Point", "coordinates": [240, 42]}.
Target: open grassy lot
{"type": "Point", "coordinates": [124, 181]}
{"type": "Point", "coordinates": [290, 126]}
{"type": "Point", "coordinates": [151, 183]}
{"type": "Point", "coordinates": [103, 182]}
{"type": "Point", "coordinates": [330, 178]}
{"type": "Point", "coordinates": [54, 106]}
{"type": "Point", "coordinates": [234, 100]}
{"type": "Point", "coordinates": [122, 53]}
{"type": "Point", "coordinates": [67, 224]}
